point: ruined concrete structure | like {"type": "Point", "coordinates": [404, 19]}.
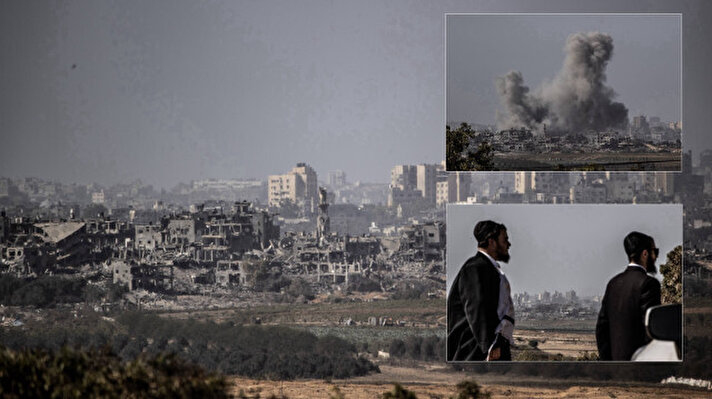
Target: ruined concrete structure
{"type": "Point", "coordinates": [148, 236]}
{"type": "Point", "coordinates": [322, 219]}
{"type": "Point", "coordinates": [423, 242]}
{"type": "Point", "coordinates": [215, 245]}
{"type": "Point", "coordinates": [142, 276]}
{"type": "Point", "coordinates": [335, 261]}
{"type": "Point", "coordinates": [205, 236]}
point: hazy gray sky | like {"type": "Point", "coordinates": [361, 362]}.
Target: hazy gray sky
{"type": "Point", "coordinates": [170, 91]}
{"type": "Point", "coordinates": [563, 247]}
{"type": "Point", "coordinates": [644, 70]}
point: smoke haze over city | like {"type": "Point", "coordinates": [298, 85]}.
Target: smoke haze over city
{"type": "Point", "coordinates": [577, 99]}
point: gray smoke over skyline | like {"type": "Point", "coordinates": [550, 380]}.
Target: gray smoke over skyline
{"type": "Point", "coordinates": [576, 100]}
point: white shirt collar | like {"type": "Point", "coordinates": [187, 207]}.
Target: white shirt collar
{"type": "Point", "coordinates": [494, 262]}
{"type": "Point", "coordinates": [637, 265]}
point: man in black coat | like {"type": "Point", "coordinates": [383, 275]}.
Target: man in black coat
{"type": "Point", "coordinates": [480, 312]}
{"type": "Point", "coordinates": [620, 329]}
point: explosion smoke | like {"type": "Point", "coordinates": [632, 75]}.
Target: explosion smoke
{"type": "Point", "coordinates": [576, 100]}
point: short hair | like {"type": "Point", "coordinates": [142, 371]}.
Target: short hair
{"type": "Point", "coordinates": [635, 243]}
{"type": "Point", "coordinates": [486, 229]}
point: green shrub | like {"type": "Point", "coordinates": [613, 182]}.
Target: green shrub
{"type": "Point", "coordinates": [399, 392]}
{"type": "Point", "coordinates": [41, 292]}
{"type": "Point", "coordinates": [101, 374]}
{"type": "Point", "coordinates": [273, 352]}
{"type": "Point", "coordinates": [470, 390]}
{"type": "Point", "coordinates": [428, 348]}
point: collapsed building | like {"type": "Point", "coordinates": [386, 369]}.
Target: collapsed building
{"type": "Point", "coordinates": [216, 246]}
{"type": "Point", "coordinates": [35, 248]}
{"type": "Point", "coordinates": [211, 241]}
{"type": "Point", "coordinates": [423, 242]}
{"type": "Point", "coordinates": [334, 261]}
{"type": "Point", "coordinates": [142, 276]}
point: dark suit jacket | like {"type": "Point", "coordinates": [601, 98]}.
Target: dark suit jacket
{"type": "Point", "coordinates": [620, 329]}
{"type": "Point", "coordinates": [472, 310]}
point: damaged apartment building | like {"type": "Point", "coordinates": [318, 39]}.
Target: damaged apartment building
{"type": "Point", "coordinates": [211, 245]}
{"type": "Point", "coordinates": [324, 256]}
{"type": "Point", "coordinates": [58, 246]}
{"type": "Point", "coordinates": [423, 242]}
{"type": "Point", "coordinates": [332, 260]}
{"type": "Point", "coordinates": [37, 248]}
{"type": "Point", "coordinates": [213, 240]}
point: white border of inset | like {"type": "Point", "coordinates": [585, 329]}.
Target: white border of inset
{"type": "Point", "coordinates": [660, 261]}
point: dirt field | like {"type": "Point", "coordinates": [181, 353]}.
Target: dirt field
{"type": "Point", "coordinates": [421, 311]}
{"type": "Point", "coordinates": [570, 338]}
{"type": "Point", "coordinates": [439, 382]}
{"type": "Point", "coordinates": [569, 344]}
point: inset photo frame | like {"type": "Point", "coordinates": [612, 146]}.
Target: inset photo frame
{"type": "Point", "coordinates": [556, 282]}
{"type": "Point", "coordinates": [563, 92]}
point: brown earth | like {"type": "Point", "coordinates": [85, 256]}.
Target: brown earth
{"type": "Point", "coordinates": [439, 382]}
{"type": "Point", "coordinates": [569, 344]}
{"type": "Point", "coordinates": [358, 308]}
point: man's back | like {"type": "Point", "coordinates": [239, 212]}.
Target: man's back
{"type": "Point", "coordinates": [620, 329]}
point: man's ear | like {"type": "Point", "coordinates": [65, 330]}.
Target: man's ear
{"type": "Point", "coordinates": [645, 253]}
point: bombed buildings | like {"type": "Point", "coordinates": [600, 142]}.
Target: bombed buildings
{"type": "Point", "coordinates": [219, 246]}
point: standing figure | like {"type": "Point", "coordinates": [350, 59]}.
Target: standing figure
{"type": "Point", "coordinates": [480, 311]}
{"type": "Point", "coordinates": [620, 329]}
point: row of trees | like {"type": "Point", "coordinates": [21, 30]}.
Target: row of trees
{"type": "Point", "coordinates": [47, 291]}
{"type": "Point", "coordinates": [69, 373]}
{"type": "Point", "coordinates": [429, 348]}
{"type": "Point", "coordinates": [253, 351]}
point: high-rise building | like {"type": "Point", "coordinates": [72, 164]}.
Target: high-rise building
{"type": "Point", "coordinates": [337, 178]}
{"type": "Point", "coordinates": [664, 183]}
{"type": "Point", "coordinates": [530, 183]}
{"type": "Point", "coordinates": [587, 193]}
{"type": "Point", "coordinates": [426, 181]}
{"type": "Point", "coordinates": [687, 163]}
{"type": "Point", "coordinates": [523, 182]}
{"type": "Point", "coordinates": [299, 186]}
{"type": "Point", "coordinates": [706, 159]}
{"type": "Point", "coordinates": [640, 122]}
{"type": "Point", "coordinates": [454, 188]}
{"type": "Point", "coordinates": [412, 182]}
{"type": "Point", "coordinates": [98, 197]}
{"type": "Point", "coordinates": [404, 177]}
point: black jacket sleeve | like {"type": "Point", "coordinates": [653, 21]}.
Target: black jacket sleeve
{"type": "Point", "coordinates": [476, 298]}
{"type": "Point", "coordinates": [603, 332]}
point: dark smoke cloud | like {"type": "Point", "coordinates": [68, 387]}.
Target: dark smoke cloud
{"type": "Point", "coordinates": [576, 100]}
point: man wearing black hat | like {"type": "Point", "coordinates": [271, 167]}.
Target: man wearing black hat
{"type": "Point", "coordinates": [620, 329]}
{"type": "Point", "coordinates": [480, 311]}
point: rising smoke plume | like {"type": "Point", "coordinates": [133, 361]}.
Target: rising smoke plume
{"type": "Point", "coordinates": [576, 100]}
